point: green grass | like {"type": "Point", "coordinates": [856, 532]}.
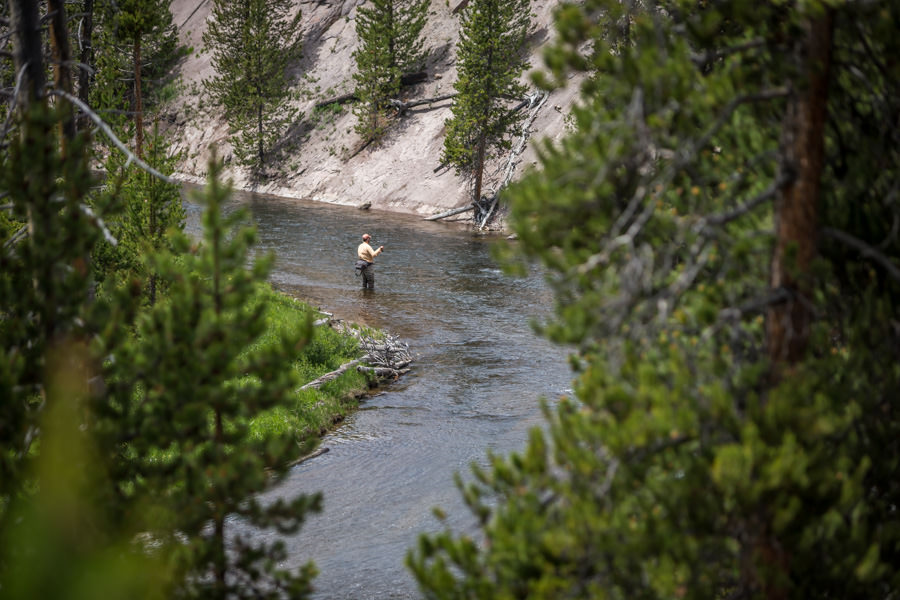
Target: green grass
{"type": "Point", "coordinates": [310, 412]}
{"type": "Point", "coordinates": [307, 413]}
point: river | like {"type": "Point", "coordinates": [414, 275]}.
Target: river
{"type": "Point", "coordinates": [475, 385]}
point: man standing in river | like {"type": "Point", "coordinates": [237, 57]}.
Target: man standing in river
{"type": "Point", "coordinates": [366, 262]}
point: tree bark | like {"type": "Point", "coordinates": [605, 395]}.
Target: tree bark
{"type": "Point", "coordinates": [138, 101]}
{"type": "Point", "coordinates": [337, 100]}
{"type": "Point", "coordinates": [62, 77]}
{"type": "Point", "coordinates": [460, 7]}
{"type": "Point", "coordinates": [317, 383]}
{"type": "Point", "coordinates": [87, 58]}
{"type": "Point", "coordinates": [479, 168]}
{"type": "Point", "coordinates": [28, 58]}
{"type": "Point", "coordinates": [405, 80]}
{"type": "Point", "coordinates": [767, 567]}
{"type": "Point", "coordinates": [451, 212]}
{"type": "Point", "coordinates": [401, 107]}
{"type": "Point", "coordinates": [796, 207]}
{"type": "Point", "coordinates": [259, 125]}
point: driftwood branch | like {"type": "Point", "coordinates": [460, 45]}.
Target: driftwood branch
{"type": "Point", "coordinates": [535, 101]}
{"type": "Point", "coordinates": [382, 372]}
{"type": "Point", "coordinates": [193, 12]}
{"type": "Point", "coordinates": [385, 358]}
{"type": "Point", "coordinates": [359, 149]}
{"type": "Point", "coordinates": [388, 352]}
{"type": "Point", "coordinates": [526, 102]}
{"type": "Point", "coordinates": [401, 107]}
{"type": "Point", "coordinates": [319, 382]}
{"type": "Point", "coordinates": [313, 454]}
{"type": "Point", "coordinates": [405, 80]}
{"type": "Point", "coordinates": [460, 7]}
{"type": "Point", "coordinates": [451, 212]}
{"type": "Point", "coordinates": [342, 99]}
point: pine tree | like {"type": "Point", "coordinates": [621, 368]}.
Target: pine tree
{"type": "Point", "coordinates": [132, 20]}
{"type": "Point", "coordinates": [491, 59]}
{"type": "Point", "coordinates": [150, 209]}
{"type": "Point", "coordinates": [725, 265]}
{"type": "Point", "coordinates": [185, 390]}
{"type": "Point", "coordinates": [253, 43]}
{"type": "Point", "coordinates": [120, 426]}
{"type": "Point", "coordinates": [43, 273]}
{"type": "Point", "coordinates": [390, 46]}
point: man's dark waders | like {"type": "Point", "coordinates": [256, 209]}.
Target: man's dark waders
{"type": "Point", "coordinates": [367, 270]}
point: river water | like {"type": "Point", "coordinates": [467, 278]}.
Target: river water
{"type": "Point", "coordinates": [475, 385]}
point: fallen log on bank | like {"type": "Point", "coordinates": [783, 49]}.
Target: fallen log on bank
{"type": "Point", "coordinates": [382, 372]}
{"type": "Point", "coordinates": [450, 213]}
{"type": "Point", "coordinates": [319, 382]}
{"type": "Point", "coordinates": [389, 357]}
{"type": "Point", "coordinates": [318, 452]}
{"type": "Point", "coordinates": [401, 107]}
{"type": "Point", "coordinates": [386, 359]}
{"type": "Point", "coordinates": [336, 100]}
{"type": "Point", "coordinates": [406, 79]}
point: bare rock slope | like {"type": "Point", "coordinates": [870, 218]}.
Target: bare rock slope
{"type": "Point", "coordinates": [323, 161]}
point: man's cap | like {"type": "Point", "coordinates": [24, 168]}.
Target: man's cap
{"type": "Point", "coordinates": [366, 236]}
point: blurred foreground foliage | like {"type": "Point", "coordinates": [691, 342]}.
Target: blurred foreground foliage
{"type": "Point", "coordinates": [720, 228]}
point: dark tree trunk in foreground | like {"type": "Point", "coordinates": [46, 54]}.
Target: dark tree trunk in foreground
{"type": "Point", "coordinates": [138, 102]}
{"type": "Point", "coordinates": [796, 233]}
{"type": "Point", "coordinates": [62, 76]}
{"type": "Point", "coordinates": [796, 222]}
{"type": "Point", "coordinates": [25, 24]}
{"type": "Point", "coordinates": [87, 57]}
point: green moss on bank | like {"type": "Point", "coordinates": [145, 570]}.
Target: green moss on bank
{"type": "Point", "coordinates": [310, 411]}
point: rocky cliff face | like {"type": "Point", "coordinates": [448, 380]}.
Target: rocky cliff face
{"type": "Point", "coordinates": [324, 163]}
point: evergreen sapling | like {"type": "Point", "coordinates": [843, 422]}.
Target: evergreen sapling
{"type": "Point", "coordinates": [390, 46]}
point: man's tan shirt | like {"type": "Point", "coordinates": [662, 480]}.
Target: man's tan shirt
{"type": "Point", "coordinates": [366, 252]}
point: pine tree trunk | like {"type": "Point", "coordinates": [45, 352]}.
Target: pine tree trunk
{"type": "Point", "coordinates": [259, 124]}
{"type": "Point", "coordinates": [138, 103]}
{"type": "Point", "coordinates": [479, 168]}
{"type": "Point", "coordinates": [482, 142]}
{"type": "Point", "coordinates": [29, 61]}
{"type": "Point", "coordinates": [392, 54]}
{"type": "Point", "coordinates": [153, 233]}
{"type": "Point", "coordinates": [803, 148]}
{"type": "Point", "coordinates": [87, 58]}
{"type": "Point", "coordinates": [28, 58]}
{"type": "Point", "coordinates": [796, 223]}
{"type": "Point", "coordinates": [62, 77]}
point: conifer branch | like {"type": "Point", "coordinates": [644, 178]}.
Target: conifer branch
{"type": "Point", "coordinates": [762, 197]}
{"type": "Point", "coordinates": [865, 249]}
{"type": "Point", "coordinates": [726, 114]}
{"type": "Point", "coordinates": [15, 237]}
{"type": "Point", "coordinates": [98, 221]}
{"type": "Point", "coordinates": [710, 56]}
{"type": "Point", "coordinates": [752, 306]}
{"type": "Point", "coordinates": [15, 101]}
{"type": "Point", "coordinates": [112, 136]}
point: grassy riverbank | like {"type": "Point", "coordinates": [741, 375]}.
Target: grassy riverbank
{"type": "Point", "coordinates": [310, 411]}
